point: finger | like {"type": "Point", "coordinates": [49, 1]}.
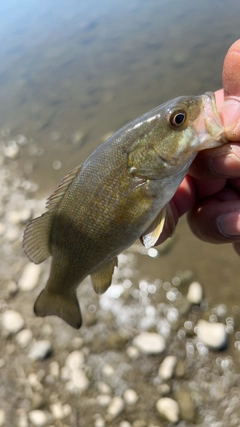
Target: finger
{"type": "Point", "coordinates": [230, 110]}
{"type": "Point", "coordinates": [219, 162]}
{"type": "Point", "coordinates": [216, 221]}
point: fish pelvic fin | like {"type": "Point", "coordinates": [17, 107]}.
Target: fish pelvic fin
{"type": "Point", "coordinates": [154, 231]}
{"type": "Point", "coordinates": [102, 278]}
{"type": "Point", "coordinates": [36, 238]}
{"type": "Point", "coordinates": [64, 306]}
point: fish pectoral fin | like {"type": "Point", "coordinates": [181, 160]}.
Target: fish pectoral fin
{"type": "Point", "coordinates": [64, 306]}
{"type": "Point", "coordinates": [154, 231]}
{"type": "Point", "coordinates": [102, 278]}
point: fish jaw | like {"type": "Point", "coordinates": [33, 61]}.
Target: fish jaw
{"type": "Point", "coordinates": [208, 125]}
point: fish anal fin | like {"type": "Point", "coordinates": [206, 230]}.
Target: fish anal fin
{"type": "Point", "coordinates": [36, 238]}
{"type": "Point", "coordinates": [59, 192]}
{"type": "Point", "coordinates": [64, 306]}
{"type": "Point", "coordinates": [102, 278]}
{"type": "Point", "coordinates": [154, 231]}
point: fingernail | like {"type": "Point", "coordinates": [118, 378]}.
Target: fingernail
{"type": "Point", "coordinates": [230, 113]}
{"type": "Point", "coordinates": [229, 224]}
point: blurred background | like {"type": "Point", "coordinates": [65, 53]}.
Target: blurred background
{"type": "Point", "coordinates": [72, 73]}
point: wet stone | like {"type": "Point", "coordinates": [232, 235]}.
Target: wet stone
{"type": "Point", "coordinates": [168, 409]}
{"type": "Point", "coordinates": [74, 360]}
{"type": "Point", "coordinates": [24, 337]}
{"type": "Point", "coordinates": [130, 396]}
{"type": "Point", "coordinates": [30, 277]}
{"type": "Point", "coordinates": [104, 399]}
{"type": "Point", "coordinates": [188, 410]}
{"type": "Point", "coordinates": [167, 367]}
{"type": "Point", "coordinates": [40, 350]}
{"type": "Point", "coordinates": [195, 293]}
{"type": "Point", "coordinates": [2, 417]}
{"type": "Point", "coordinates": [116, 407]}
{"type": "Point", "coordinates": [150, 343]}
{"type": "Point", "coordinates": [213, 335]}
{"type": "Point", "coordinates": [38, 418]}
{"type": "Point", "coordinates": [12, 321]}
{"type": "Point", "coordinates": [78, 382]}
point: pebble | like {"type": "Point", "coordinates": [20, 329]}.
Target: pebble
{"type": "Point", "coordinates": [38, 418]}
{"type": "Point", "coordinates": [24, 337]}
{"type": "Point", "coordinates": [2, 417]}
{"type": "Point", "coordinates": [12, 321]}
{"type": "Point", "coordinates": [30, 277]}
{"type": "Point", "coordinates": [132, 352]}
{"type": "Point", "coordinates": [99, 422]}
{"type": "Point", "coordinates": [116, 407]}
{"type": "Point", "coordinates": [125, 424]}
{"type": "Point", "coordinates": [60, 411]}
{"type": "Point", "coordinates": [108, 370]}
{"type": "Point", "coordinates": [40, 350]}
{"type": "Point", "coordinates": [150, 343]}
{"type": "Point", "coordinates": [195, 293]}
{"type": "Point", "coordinates": [104, 399]}
{"type": "Point", "coordinates": [168, 409]}
{"type": "Point", "coordinates": [167, 367]}
{"type": "Point", "coordinates": [54, 369]}
{"type": "Point", "coordinates": [187, 406]}
{"type": "Point", "coordinates": [213, 335]}
{"type": "Point", "coordinates": [78, 382]}
{"type": "Point", "coordinates": [130, 396]}
{"type": "Point", "coordinates": [18, 217]}
{"type": "Point", "coordinates": [74, 360]}
{"type": "Point", "coordinates": [104, 388]}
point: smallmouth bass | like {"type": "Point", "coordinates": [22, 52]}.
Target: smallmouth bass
{"type": "Point", "coordinates": [119, 194]}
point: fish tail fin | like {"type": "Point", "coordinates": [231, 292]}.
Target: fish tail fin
{"type": "Point", "coordinates": [67, 307]}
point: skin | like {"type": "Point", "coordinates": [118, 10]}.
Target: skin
{"type": "Point", "coordinates": [210, 193]}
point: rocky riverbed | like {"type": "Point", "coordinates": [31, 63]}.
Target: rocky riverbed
{"type": "Point", "coordinates": [150, 353]}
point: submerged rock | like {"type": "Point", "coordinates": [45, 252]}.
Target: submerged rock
{"type": "Point", "coordinates": [168, 409]}
{"type": "Point", "coordinates": [150, 343]}
{"type": "Point", "coordinates": [213, 335]}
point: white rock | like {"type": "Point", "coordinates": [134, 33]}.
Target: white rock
{"type": "Point", "coordinates": [166, 369]}
{"type": "Point", "coordinates": [38, 418]}
{"type": "Point", "coordinates": [40, 350]}
{"type": "Point", "coordinates": [104, 399]}
{"type": "Point", "coordinates": [18, 217]}
{"type": "Point", "coordinates": [104, 388]}
{"type": "Point", "coordinates": [99, 422]}
{"type": "Point", "coordinates": [12, 321]}
{"type": "Point", "coordinates": [60, 411]}
{"type": "Point", "coordinates": [116, 407]}
{"type": "Point", "coordinates": [132, 352]}
{"type": "Point", "coordinates": [78, 382]}
{"type": "Point", "coordinates": [150, 343]}
{"type": "Point", "coordinates": [24, 337]}
{"type": "Point", "coordinates": [130, 396]}
{"type": "Point", "coordinates": [74, 360]}
{"type": "Point", "coordinates": [125, 424]}
{"type": "Point", "coordinates": [168, 408]}
{"type": "Point", "coordinates": [108, 370]}
{"type": "Point", "coordinates": [30, 277]}
{"type": "Point", "coordinates": [213, 335]}
{"type": "Point", "coordinates": [2, 417]}
{"type": "Point", "coordinates": [195, 293]}
{"type": "Point", "coordinates": [54, 369]}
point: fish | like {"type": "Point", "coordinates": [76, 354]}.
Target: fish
{"type": "Point", "coordinates": [119, 194]}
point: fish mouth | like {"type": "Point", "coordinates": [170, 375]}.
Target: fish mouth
{"type": "Point", "coordinates": [208, 125]}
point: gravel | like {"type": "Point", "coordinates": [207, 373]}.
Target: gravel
{"type": "Point", "coordinates": [143, 357]}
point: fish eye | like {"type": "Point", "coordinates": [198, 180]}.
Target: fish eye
{"type": "Point", "coordinates": [178, 118]}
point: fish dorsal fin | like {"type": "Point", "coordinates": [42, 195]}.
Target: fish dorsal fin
{"type": "Point", "coordinates": [36, 235]}
{"type": "Point", "coordinates": [102, 278]}
{"type": "Point", "coordinates": [154, 231]}
{"type": "Point", "coordinates": [58, 194]}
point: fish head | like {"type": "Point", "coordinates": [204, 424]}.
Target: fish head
{"type": "Point", "coordinates": [174, 133]}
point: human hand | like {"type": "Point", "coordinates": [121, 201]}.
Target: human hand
{"type": "Point", "coordinates": [210, 193]}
